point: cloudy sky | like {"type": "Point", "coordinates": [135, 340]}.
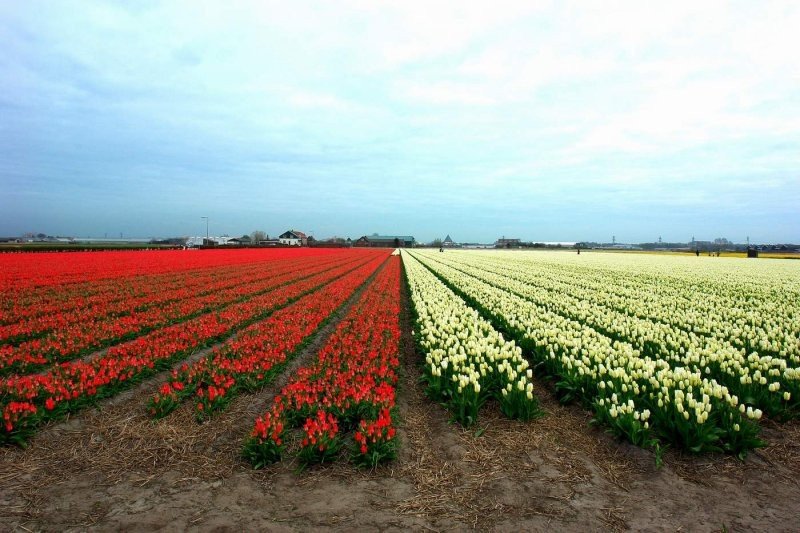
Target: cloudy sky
{"type": "Point", "coordinates": [539, 120]}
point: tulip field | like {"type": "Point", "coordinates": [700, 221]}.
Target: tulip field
{"type": "Point", "coordinates": [446, 389]}
{"type": "Point", "coordinates": [255, 314]}
{"type": "Point", "coordinates": [664, 351]}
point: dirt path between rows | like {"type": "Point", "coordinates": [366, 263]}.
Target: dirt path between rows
{"type": "Point", "coordinates": [114, 469]}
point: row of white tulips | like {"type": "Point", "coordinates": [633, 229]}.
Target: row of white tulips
{"type": "Point", "coordinates": [760, 318]}
{"type": "Point", "coordinates": [466, 359]}
{"type": "Point", "coordinates": [769, 382]}
{"type": "Point", "coordinates": [640, 397]}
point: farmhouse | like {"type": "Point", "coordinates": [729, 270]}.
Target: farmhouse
{"type": "Point", "coordinates": [293, 237]}
{"type": "Point", "coordinates": [385, 241]}
{"type": "Point", "coordinates": [448, 242]}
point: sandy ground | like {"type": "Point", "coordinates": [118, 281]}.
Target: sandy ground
{"type": "Point", "coordinates": [112, 469]}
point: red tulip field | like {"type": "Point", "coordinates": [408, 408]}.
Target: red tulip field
{"type": "Point", "coordinates": [363, 388]}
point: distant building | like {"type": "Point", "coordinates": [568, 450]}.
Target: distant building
{"type": "Point", "coordinates": [448, 242]}
{"type": "Point", "coordinates": [502, 242]}
{"type": "Point", "coordinates": [240, 241]}
{"type": "Point", "coordinates": [385, 241]}
{"type": "Point", "coordinates": [293, 238]}
{"type": "Point", "coordinates": [226, 240]}
{"type": "Point", "coordinates": [197, 241]}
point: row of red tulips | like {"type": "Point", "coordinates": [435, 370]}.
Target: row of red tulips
{"type": "Point", "coordinates": [106, 298]}
{"type": "Point", "coordinates": [349, 388]}
{"type": "Point", "coordinates": [37, 307]}
{"type": "Point", "coordinates": [80, 338]}
{"type": "Point", "coordinates": [36, 272]}
{"type": "Point", "coordinates": [258, 353]}
{"type": "Point", "coordinates": [28, 400]}
{"type": "Point", "coordinates": [20, 305]}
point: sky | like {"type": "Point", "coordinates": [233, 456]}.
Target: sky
{"type": "Point", "coordinates": [545, 121]}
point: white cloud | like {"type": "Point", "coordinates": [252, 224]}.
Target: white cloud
{"type": "Point", "coordinates": [444, 93]}
{"type": "Point", "coordinates": [318, 100]}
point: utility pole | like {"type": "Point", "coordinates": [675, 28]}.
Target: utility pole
{"type": "Point", "coordinates": [206, 228]}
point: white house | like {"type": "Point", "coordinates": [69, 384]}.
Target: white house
{"type": "Point", "coordinates": [293, 238]}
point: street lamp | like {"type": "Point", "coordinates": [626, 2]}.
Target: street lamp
{"type": "Point", "coordinates": [206, 229]}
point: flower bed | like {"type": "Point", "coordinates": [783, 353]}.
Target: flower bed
{"type": "Point", "coordinates": [350, 387]}
{"type": "Point", "coordinates": [27, 400]}
{"type": "Point", "coordinates": [644, 399]}
{"type": "Point", "coordinates": [259, 352]}
{"type": "Point", "coordinates": [90, 332]}
{"type": "Point", "coordinates": [467, 361]}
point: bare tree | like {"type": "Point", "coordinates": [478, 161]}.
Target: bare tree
{"type": "Point", "coordinates": [259, 236]}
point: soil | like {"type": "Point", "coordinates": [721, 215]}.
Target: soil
{"type": "Point", "coordinates": [113, 468]}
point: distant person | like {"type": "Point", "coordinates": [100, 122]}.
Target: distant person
{"type": "Point", "coordinates": [579, 251]}
{"type": "Point", "coordinates": [697, 252]}
{"type": "Point", "coordinates": [441, 249]}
